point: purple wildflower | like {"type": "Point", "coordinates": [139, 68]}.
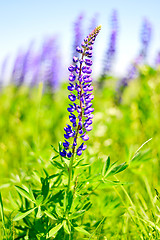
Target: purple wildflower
{"type": "Point", "coordinates": [110, 54]}
{"type": "Point", "coordinates": [145, 37]}
{"type": "Point", "coordinates": [80, 110]}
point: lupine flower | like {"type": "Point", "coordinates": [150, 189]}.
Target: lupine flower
{"type": "Point", "coordinates": [52, 65]}
{"type": "Point", "coordinates": [145, 37]}
{"type": "Point", "coordinates": [110, 54]}
{"type": "Point", "coordinates": [80, 94]}
{"type": "Point", "coordinates": [77, 33]}
{"type": "Point", "coordinates": [17, 68]}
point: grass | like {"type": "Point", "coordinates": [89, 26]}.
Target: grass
{"type": "Point", "coordinates": [32, 120]}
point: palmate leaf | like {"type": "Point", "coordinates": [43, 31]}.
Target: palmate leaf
{"type": "Point", "coordinates": [54, 230]}
{"type": "Point", "coordinates": [21, 215]}
{"type": "Point", "coordinates": [24, 193]}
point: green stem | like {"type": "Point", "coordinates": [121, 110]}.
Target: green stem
{"type": "Point", "coordinates": [70, 173]}
{"type": "Point", "coordinates": [73, 150]}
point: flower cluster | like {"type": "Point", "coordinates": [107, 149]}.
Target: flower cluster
{"type": "Point", "coordinates": [80, 94]}
{"type": "Point", "coordinates": [31, 67]}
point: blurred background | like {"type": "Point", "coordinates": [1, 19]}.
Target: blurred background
{"type": "Point", "coordinates": [30, 22]}
{"type": "Point", "coordinates": [37, 44]}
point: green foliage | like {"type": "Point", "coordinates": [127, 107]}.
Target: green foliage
{"type": "Point", "coordinates": [102, 202]}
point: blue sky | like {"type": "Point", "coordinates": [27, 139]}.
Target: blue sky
{"type": "Point", "coordinates": [24, 21]}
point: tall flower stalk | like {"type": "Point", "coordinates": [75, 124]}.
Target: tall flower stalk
{"type": "Point", "coordinates": [80, 94]}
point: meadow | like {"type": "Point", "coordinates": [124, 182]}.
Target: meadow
{"type": "Point", "coordinates": [110, 192]}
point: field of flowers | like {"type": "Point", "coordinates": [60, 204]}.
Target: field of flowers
{"type": "Point", "coordinates": [96, 177]}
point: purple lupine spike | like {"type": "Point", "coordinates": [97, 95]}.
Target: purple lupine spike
{"type": "Point", "coordinates": [80, 110]}
{"type": "Point", "coordinates": [93, 23]}
{"type": "Point", "coordinates": [145, 37]}
{"type": "Point", "coordinates": [22, 66]}
{"type": "Point", "coordinates": [26, 63]}
{"type": "Point", "coordinates": [47, 48]}
{"type": "Point", "coordinates": [52, 66]}
{"type": "Point", "coordinates": [16, 72]}
{"type": "Point", "coordinates": [110, 54]}
{"type": "Point", "coordinates": [77, 34]}
{"type": "Point", "coordinates": [35, 70]}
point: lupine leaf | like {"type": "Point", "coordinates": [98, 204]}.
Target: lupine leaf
{"type": "Point", "coordinates": [21, 215]}
{"type": "Point", "coordinates": [55, 157]}
{"type": "Point", "coordinates": [106, 166]}
{"type": "Point", "coordinates": [53, 176]}
{"type": "Point", "coordinates": [77, 214]}
{"type": "Point", "coordinates": [24, 193]}
{"type": "Point", "coordinates": [50, 215]}
{"type": "Point", "coordinates": [66, 227]}
{"type": "Point", "coordinates": [31, 193]}
{"type": "Point", "coordinates": [54, 230]}
{"type": "Point", "coordinates": [39, 213]}
{"type": "Point", "coordinates": [57, 164]}
{"type": "Point", "coordinates": [118, 169]}
{"type": "Point", "coordinates": [39, 200]}
{"type": "Point", "coordinates": [82, 230]}
{"type": "Point", "coordinates": [45, 188]}
{"type": "Point", "coordinates": [45, 172]}
{"type": "Point", "coordinates": [54, 149]}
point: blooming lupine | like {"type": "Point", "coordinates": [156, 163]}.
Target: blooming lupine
{"type": "Point", "coordinates": [80, 94]}
{"type": "Point", "coordinates": [51, 74]}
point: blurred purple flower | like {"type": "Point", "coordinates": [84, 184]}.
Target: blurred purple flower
{"type": "Point", "coordinates": [78, 33]}
{"type": "Point", "coordinates": [110, 54]}
{"type": "Point", "coordinates": [93, 23]}
{"type": "Point", "coordinates": [145, 37]}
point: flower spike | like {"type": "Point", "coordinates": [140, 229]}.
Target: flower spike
{"type": "Point", "coordinates": [80, 94]}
